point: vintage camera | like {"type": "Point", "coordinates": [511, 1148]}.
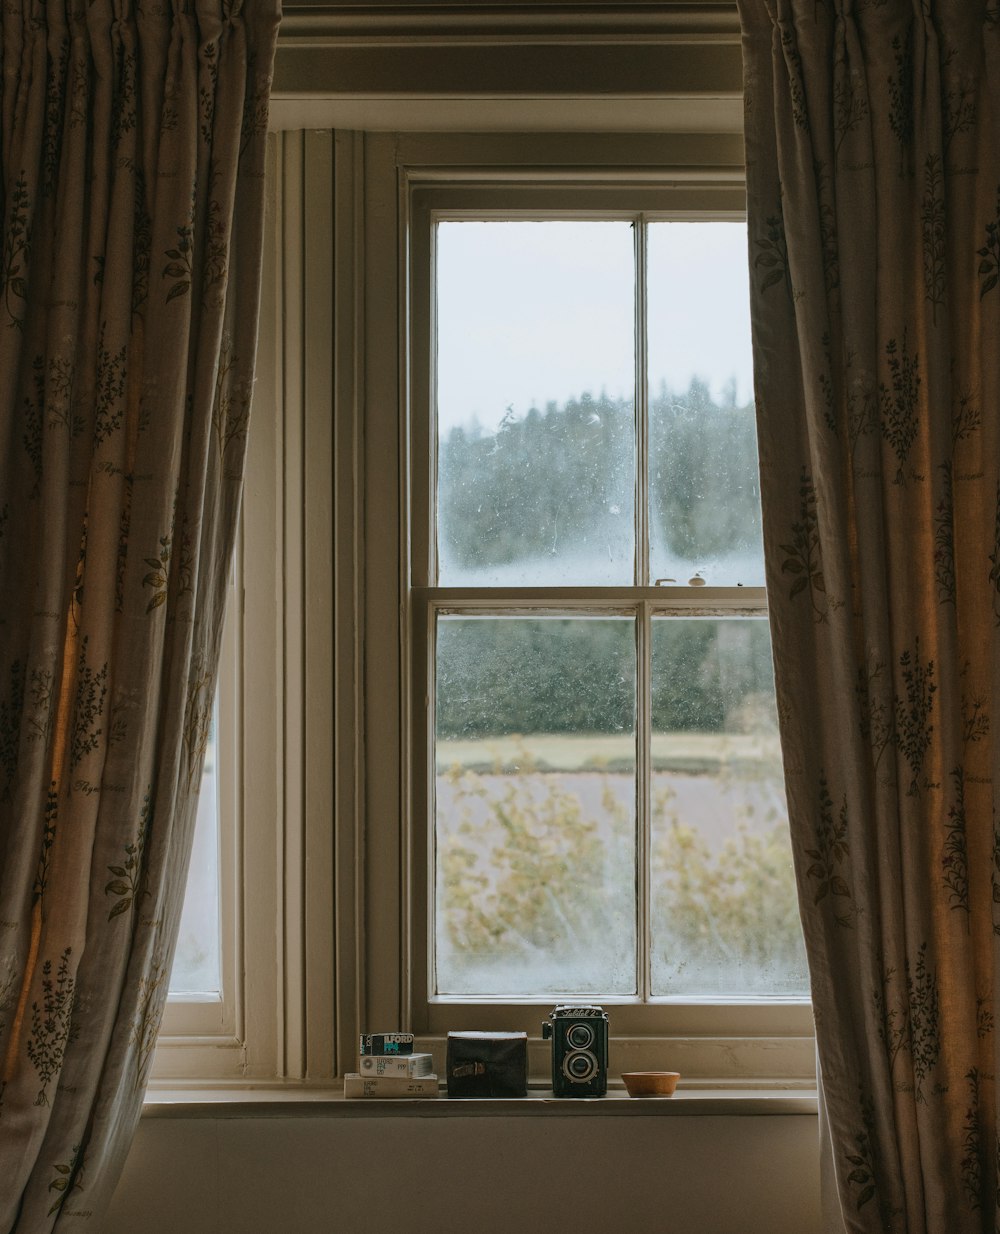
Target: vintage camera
{"type": "Point", "coordinates": [579, 1035]}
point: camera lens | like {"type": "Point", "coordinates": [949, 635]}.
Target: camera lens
{"type": "Point", "coordinates": [579, 1036]}
{"type": "Point", "coordinates": [579, 1066]}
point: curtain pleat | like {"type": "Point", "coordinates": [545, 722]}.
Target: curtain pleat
{"type": "Point", "coordinates": [131, 203]}
{"type": "Point", "coordinates": [873, 168]}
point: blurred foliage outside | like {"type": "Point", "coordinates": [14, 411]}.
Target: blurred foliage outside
{"type": "Point", "coordinates": [558, 483]}
{"type": "Point", "coordinates": [699, 683]}
{"type": "Point", "coordinates": [536, 886]}
{"type": "Point", "coordinates": [535, 717]}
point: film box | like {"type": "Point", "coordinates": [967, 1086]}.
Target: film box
{"type": "Point", "coordinates": [396, 1064]}
{"type": "Point", "coordinates": [390, 1086]}
{"type": "Point", "coordinates": [386, 1043]}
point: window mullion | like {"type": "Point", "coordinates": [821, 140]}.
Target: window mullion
{"type": "Point", "coordinates": [641, 410]}
{"type": "Point", "coordinates": [643, 627]}
{"type": "Point", "coordinates": [643, 794]}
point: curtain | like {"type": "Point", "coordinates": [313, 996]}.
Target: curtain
{"type": "Point", "coordinates": [873, 163]}
{"type": "Point", "coordinates": [131, 195]}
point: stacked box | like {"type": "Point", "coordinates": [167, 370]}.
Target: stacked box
{"type": "Point", "coordinates": [386, 1043]}
{"type": "Point", "coordinates": [388, 1068]}
{"type": "Point", "coordinates": [409, 1065]}
{"type": "Point", "coordinates": [390, 1087]}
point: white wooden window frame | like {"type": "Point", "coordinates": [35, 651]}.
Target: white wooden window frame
{"type": "Point", "coordinates": [213, 1015]}
{"type": "Point", "coordinates": [640, 202]}
{"type": "Point", "coordinates": [274, 1021]}
{"type": "Point", "coordinates": [409, 181]}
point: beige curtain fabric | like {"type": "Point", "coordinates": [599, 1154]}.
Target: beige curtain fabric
{"type": "Point", "coordinates": [873, 156]}
{"type": "Point", "coordinates": [131, 150]}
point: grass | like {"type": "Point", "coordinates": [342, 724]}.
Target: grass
{"type": "Point", "coordinates": [692, 753]}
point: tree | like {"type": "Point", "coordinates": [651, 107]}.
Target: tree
{"type": "Point", "coordinates": [530, 885]}
{"type": "Point", "coordinates": [556, 486]}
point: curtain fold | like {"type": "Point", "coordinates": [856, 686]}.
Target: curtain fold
{"type": "Point", "coordinates": [131, 206]}
{"type": "Point", "coordinates": [873, 166]}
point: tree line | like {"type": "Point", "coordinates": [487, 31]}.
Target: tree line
{"type": "Point", "coordinates": [498, 676]}
{"type": "Point", "coordinates": [559, 482]}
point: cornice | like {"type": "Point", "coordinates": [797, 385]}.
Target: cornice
{"type": "Point", "coordinates": [556, 64]}
{"type": "Point", "coordinates": [444, 22]}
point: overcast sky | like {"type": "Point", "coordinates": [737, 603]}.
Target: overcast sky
{"type": "Point", "coordinates": [535, 311]}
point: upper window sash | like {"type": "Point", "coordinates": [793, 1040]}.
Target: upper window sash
{"type": "Point", "coordinates": [633, 201]}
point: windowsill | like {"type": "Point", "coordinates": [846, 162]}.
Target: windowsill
{"type": "Point", "coordinates": [329, 1102]}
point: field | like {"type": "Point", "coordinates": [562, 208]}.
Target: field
{"type": "Point", "coordinates": [692, 753]}
{"type": "Point", "coordinates": [529, 828]}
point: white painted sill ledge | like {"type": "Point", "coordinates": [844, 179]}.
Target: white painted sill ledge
{"type": "Point", "coordinates": [301, 1101]}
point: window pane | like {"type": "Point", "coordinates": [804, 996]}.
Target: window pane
{"type": "Point", "coordinates": [535, 816]}
{"type": "Point", "coordinates": [535, 403]}
{"type": "Point", "coordinates": [724, 912]}
{"type": "Point", "coordinates": [704, 498]}
{"type": "Point", "coordinates": [197, 962]}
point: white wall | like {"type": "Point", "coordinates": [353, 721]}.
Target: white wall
{"type": "Point", "coordinates": [455, 1175]}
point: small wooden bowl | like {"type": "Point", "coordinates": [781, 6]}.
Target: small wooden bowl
{"type": "Point", "coordinates": [651, 1083]}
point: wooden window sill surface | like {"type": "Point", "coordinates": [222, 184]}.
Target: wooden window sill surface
{"type": "Point", "coordinates": [329, 1102]}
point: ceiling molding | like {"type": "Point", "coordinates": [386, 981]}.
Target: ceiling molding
{"type": "Point", "coordinates": [555, 65]}
{"type": "Point", "coordinates": [692, 69]}
{"type": "Point", "coordinates": [394, 23]}
{"type": "Point", "coordinates": [504, 115]}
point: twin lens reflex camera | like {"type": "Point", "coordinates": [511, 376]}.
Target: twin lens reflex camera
{"type": "Point", "coordinates": [579, 1036]}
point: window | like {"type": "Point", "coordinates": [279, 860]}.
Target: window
{"type": "Point", "coordinates": [203, 980]}
{"type": "Point", "coordinates": [606, 806]}
{"type": "Point", "coordinates": [203, 959]}
{"type": "Point", "coordinates": [197, 970]}
{"type": "Point", "coordinates": [595, 804]}
{"type": "Point", "coordinates": [273, 1020]}
{"type": "Point", "coordinates": [204, 956]}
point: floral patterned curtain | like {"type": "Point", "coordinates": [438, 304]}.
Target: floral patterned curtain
{"type": "Point", "coordinates": [873, 159]}
{"type": "Point", "coordinates": [131, 194]}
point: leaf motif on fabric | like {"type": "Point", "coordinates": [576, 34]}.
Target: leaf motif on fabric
{"type": "Point", "coordinates": [989, 266]}
{"type": "Point", "coordinates": [944, 539]}
{"type": "Point", "coordinates": [52, 1026]}
{"type": "Point", "coordinates": [831, 855]}
{"type": "Point", "coordinates": [901, 97]}
{"type": "Point", "coordinates": [934, 235]}
{"type": "Point", "coordinates": [231, 402]}
{"type": "Point", "coordinates": [955, 853]}
{"type": "Point", "coordinates": [197, 717]}
{"type": "Point", "coordinates": [11, 715]}
{"type": "Point", "coordinates": [179, 267]}
{"type": "Point", "coordinates": [130, 882]}
{"type": "Point", "coordinates": [802, 551]}
{"type": "Point", "coordinates": [109, 391]}
{"type": "Point", "coordinates": [16, 249]}
{"type": "Point", "coordinates": [145, 1025]}
{"type": "Point", "coordinates": [899, 401]}
{"type": "Point", "coordinates": [914, 705]}
{"type": "Point", "coordinates": [994, 558]}
{"type": "Point", "coordinates": [924, 1036]}
{"type": "Point", "coordinates": [772, 256]}
{"type": "Point", "coordinates": [48, 840]}
{"type": "Point", "coordinates": [974, 1144]}
{"type": "Point", "coordinates": [867, 1165]}
{"type": "Point", "coordinates": [88, 709]}
{"type": "Point", "coordinates": [68, 1178]}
